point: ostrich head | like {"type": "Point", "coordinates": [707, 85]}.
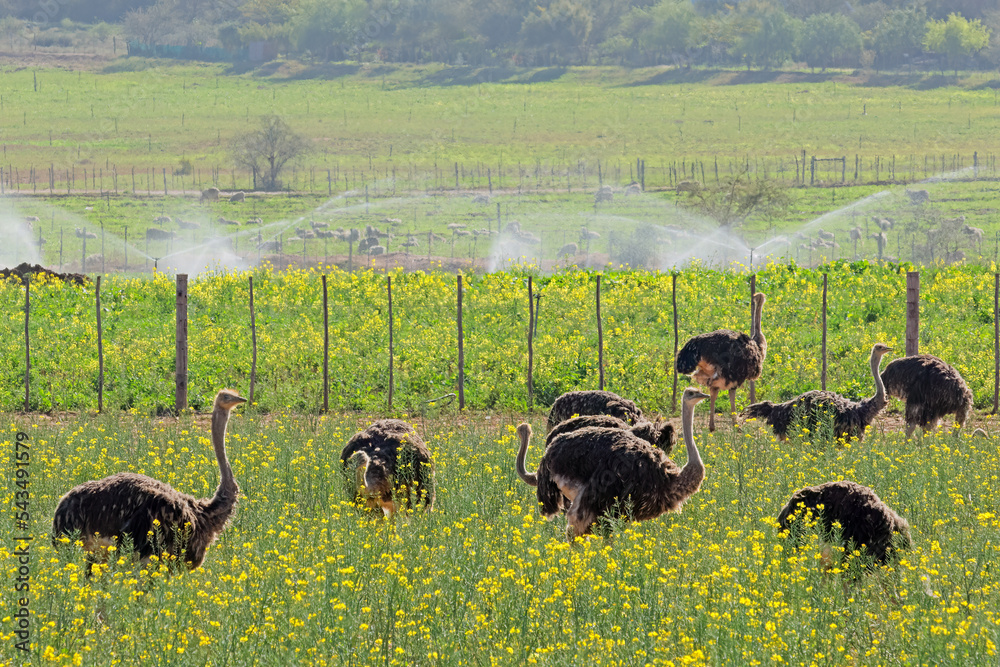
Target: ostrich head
{"type": "Point", "coordinates": [371, 477]}
{"type": "Point", "coordinates": [371, 483]}
{"type": "Point", "coordinates": [879, 350]}
{"type": "Point", "coordinates": [227, 399]}
{"type": "Point", "coordinates": [692, 396]}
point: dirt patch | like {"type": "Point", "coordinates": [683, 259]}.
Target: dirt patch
{"type": "Point", "coordinates": [42, 60]}
{"type": "Point", "coordinates": [23, 270]}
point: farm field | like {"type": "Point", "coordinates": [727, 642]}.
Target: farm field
{"type": "Point", "coordinates": [301, 576]}
{"type": "Point", "coordinates": [110, 150]}
{"type": "Point", "coordinates": [416, 124]}
{"type": "Point", "coordinates": [866, 304]}
{"type": "Point", "coordinates": [470, 230]}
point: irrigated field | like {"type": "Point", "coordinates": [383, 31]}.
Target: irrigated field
{"type": "Point", "coordinates": [302, 577]}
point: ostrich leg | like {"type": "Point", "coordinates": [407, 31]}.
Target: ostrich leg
{"type": "Point", "coordinates": [732, 402]}
{"type": "Point", "coordinates": [713, 393]}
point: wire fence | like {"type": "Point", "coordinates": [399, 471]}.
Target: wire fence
{"type": "Point", "coordinates": [387, 343]}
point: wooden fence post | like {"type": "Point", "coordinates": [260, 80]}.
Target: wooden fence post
{"type": "Point", "coordinates": [100, 350]}
{"type": "Point", "coordinates": [996, 342]}
{"type": "Point", "coordinates": [461, 341]}
{"type": "Point", "coordinates": [326, 350]}
{"type": "Point", "coordinates": [388, 283]}
{"type": "Point", "coordinates": [253, 342]}
{"type": "Point", "coordinates": [181, 361]}
{"type": "Point", "coordinates": [822, 377]}
{"type": "Point", "coordinates": [600, 337]}
{"type": "Point", "coordinates": [753, 292]}
{"type": "Point", "coordinates": [912, 313]}
{"type": "Point", "coordinates": [27, 342]}
{"type": "Point", "coordinates": [673, 361]}
{"type": "Point", "coordinates": [531, 327]}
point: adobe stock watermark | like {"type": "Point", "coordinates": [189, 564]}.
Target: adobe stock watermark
{"type": "Point", "coordinates": [22, 537]}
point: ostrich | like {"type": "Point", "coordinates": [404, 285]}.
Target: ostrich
{"type": "Point", "coordinates": [882, 240]}
{"type": "Point", "coordinates": [659, 434]}
{"type": "Point", "coordinates": [610, 471]}
{"type": "Point", "coordinates": [931, 388]}
{"type": "Point", "coordinates": [593, 402]}
{"type": "Point", "coordinates": [850, 418]}
{"type": "Point", "coordinates": [568, 250]}
{"type": "Point", "coordinates": [865, 521]}
{"type": "Point", "coordinates": [391, 462]}
{"type": "Point", "coordinates": [151, 515]}
{"type": "Point", "coordinates": [725, 359]}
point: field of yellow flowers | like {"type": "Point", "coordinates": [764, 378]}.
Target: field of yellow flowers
{"type": "Point", "coordinates": [866, 304]}
{"type": "Point", "coordinates": [302, 577]}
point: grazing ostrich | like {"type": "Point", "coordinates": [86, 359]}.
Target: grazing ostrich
{"type": "Point", "coordinates": [151, 515]}
{"type": "Point", "coordinates": [659, 434]}
{"type": "Point", "coordinates": [850, 418]}
{"type": "Point", "coordinates": [856, 234]}
{"type": "Point", "coordinates": [610, 471]}
{"type": "Point", "coordinates": [725, 359]}
{"type": "Point", "coordinates": [931, 388]}
{"type": "Point", "coordinates": [865, 521]}
{"type": "Point", "coordinates": [593, 402]}
{"type": "Point", "coordinates": [391, 462]}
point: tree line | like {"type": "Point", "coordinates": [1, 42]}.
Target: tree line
{"type": "Point", "coordinates": [879, 34]}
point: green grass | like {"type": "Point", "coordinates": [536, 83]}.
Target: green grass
{"type": "Point", "coordinates": [368, 122]}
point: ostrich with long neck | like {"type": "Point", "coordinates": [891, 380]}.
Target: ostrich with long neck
{"type": "Point", "coordinates": [850, 418]}
{"type": "Point", "coordinates": [724, 359]}
{"type": "Point", "coordinates": [153, 517]}
{"type": "Point", "coordinates": [612, 471]}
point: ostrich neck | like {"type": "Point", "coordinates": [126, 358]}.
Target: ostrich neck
{"type": "Point", "coordinates": [694, 469]}
{"type": "Point", "coordinates": [227, 483]}
{"type": "Point", "coordinates": [756, 334]}
{"type": "Point", "coordinates": [879, 397]}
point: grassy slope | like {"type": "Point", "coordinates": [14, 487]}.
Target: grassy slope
{"type": "Point", "coordinates": [427, 116]}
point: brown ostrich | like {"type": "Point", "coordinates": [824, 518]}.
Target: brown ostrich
{"type": "Point", "coordinates": [659, 434]}
{"type": "Point", "coordinates": [725, 359]}
{"type": "Point", "coordinates": [593, 402]}
{"type": "Point", "coordinates": [850, 418]}
{"type": "Point", "coordinates": [392, 466]}
{"type": "Point", "coordinates": [931, 388]}
{"type": "Point", "coordinates": [150, 515]}
{"type": "Point", "coordinates": [865, 522]}
{"type": "Point", "coordinates": [611, 471]}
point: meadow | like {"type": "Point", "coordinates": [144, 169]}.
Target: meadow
{"type": "Point", "coordinates": [137, 123]}
{"type": "Point", "coordinates": [866, 304]}
{"type": "Point", "coordinates": [303, 577]}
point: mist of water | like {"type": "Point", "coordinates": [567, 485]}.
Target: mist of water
{"type": "Point", "coordinates": [20, 244]}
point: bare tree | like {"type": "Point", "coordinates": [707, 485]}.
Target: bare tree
{"type": "Point", "coordinates": [266, 150]}
{"type": "Point", "coordinates": [731, 202]}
